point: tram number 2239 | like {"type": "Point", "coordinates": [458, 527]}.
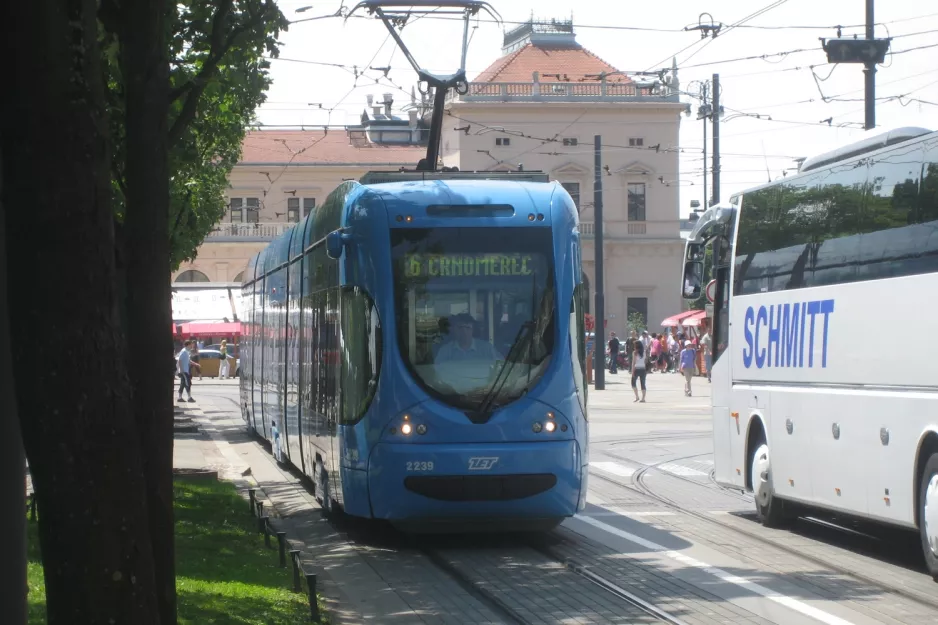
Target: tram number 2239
{"type": "Point", "coordinates": [420, 466]}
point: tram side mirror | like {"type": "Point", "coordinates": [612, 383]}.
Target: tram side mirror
{"type": "Point", "coordinates": [693, 279]}
{"type": "Point", "coordinates": [334, 245]}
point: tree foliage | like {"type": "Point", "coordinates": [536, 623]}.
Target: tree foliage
{"type": "Point", "coordinates": [636, 322]}
{"type": "Point", "coordinates": [218, 79]}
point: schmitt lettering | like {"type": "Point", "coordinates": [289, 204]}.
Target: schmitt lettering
{"type": "Point", "coordinates": [775, 336]}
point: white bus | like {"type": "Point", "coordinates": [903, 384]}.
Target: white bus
{"type": "Point", "coordinates": [825, 368]}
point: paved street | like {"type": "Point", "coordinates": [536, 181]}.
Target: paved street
{"type": "Point", "coordinates": [656, 527]}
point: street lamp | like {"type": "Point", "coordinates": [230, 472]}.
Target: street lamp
{"type": "Point", "coordinates": [304, 9]}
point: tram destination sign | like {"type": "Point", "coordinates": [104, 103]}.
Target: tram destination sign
{"type": "Point", "coordinates": [468, 265]}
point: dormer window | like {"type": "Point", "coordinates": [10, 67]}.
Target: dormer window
{"type": "Point", "coordinates": [502, 141]}
{"type": "Point", "coordinates": [570, 141]}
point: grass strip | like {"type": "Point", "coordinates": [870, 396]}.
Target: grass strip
{"type": "Point", "coordinates": [225, 575]}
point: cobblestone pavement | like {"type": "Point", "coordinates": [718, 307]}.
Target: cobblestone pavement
{"type": "Point", "coordinates": [656, 526]}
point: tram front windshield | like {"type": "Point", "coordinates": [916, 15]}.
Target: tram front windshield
{"type": "Point", "coordinates": [475, 311]}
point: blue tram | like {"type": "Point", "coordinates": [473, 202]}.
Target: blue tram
{"type": "Point", "coordinates": [420, 346]}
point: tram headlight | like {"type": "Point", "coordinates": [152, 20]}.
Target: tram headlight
{"type": "Point", "coordinates": [406, 429]}
{"type": "Point", "coordinates": [550, 426]}
{"type": "Point", "coordinates": [421, 429]}
{"type": "Point", "coordinates": [536, 427]}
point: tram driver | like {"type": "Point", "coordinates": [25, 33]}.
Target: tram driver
{"type": "Point", "coordinates": [464, 345]}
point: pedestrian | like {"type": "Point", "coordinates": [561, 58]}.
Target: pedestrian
{"type": "Point", "coordinates": [613, 353]}
{"type": "Point", "coordinates": [639, 371]}
{"type": "Point", "coordinates": [223, 348]}
{"type": "Point", "coordinates": [275, 433]}
{"type": "Point", "coordinates": [705, 341]}
{"type": "Point", "coordinates": [183, 370]}
{"type": "Point", "coordinates": [688, 365]}
{"type": "Point", "coordinates": [194, 358]}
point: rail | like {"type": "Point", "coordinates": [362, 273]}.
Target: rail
{"type": "Point", "coordinates": [563, 92]}
{"type": "Point", "coordinates": [258, 231]}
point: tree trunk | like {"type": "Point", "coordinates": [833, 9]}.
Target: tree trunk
{"type": "Point", "coordinates": [149, 318]}
{"type": "Point", "coordinates": [12, 462]}
{"type": "Point", "coordinates": [81, 441]}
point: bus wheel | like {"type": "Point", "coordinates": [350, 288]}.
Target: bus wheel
{"type": "Point", "coordinates": [769, 508]}
{"type": "Point", "coordinates": [928, 514]}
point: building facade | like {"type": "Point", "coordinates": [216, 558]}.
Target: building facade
{"type": "Point", "coordinates": [284, 174]}
{"type": "Point", "coordinates": [539, 107]}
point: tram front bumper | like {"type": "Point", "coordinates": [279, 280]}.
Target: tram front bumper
{"type": "Point", "coordinates": [465, 481]}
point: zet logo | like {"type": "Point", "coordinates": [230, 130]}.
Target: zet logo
{"type": "Point", "coordinates": [482, 464]}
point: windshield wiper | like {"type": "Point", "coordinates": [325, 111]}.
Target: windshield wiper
{"type": "Point", "coordinates": [510, 361]}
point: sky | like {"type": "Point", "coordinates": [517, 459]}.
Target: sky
{"type": "Point", "coordinates": [768, 55]}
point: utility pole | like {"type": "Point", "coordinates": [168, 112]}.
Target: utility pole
{"type": "Point", "coordinates": [706, 199]}
{"type": "Point", "coordinates": [869, 73]}
{"type": "Point", "coordinates": [716, 139]}
{"type": "Point", "coordinates": [600, 328]}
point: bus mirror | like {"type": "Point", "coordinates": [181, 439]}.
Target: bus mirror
{"type": "Point", "coordinates": [695, 252]}
{"type": "Point", "coordinates": [334, 245]}
{"type": "Point", "coordinates": [693, 280]}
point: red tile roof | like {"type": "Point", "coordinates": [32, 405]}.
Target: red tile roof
{"type": "Point", "coordinates": [571, 63]}
{"type": "Point", "coordinates": [316, 147]}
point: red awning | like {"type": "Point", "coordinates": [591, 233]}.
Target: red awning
{"type": "Point", "coordinates": [212, 329]}
{"type": "Point", "coordinates": [694, 320]}
{"type": "Point", "coordinates": [678, 319]}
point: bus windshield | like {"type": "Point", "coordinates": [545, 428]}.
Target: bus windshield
{"type": "Point", "coordinates": [475, 311]}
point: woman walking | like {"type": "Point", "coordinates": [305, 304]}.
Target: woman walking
{"type": "Point", "coordinates": [688, 365]}
{"type": "Point", "coordinates": [223, 348]}
{"type": "Point", "coordinates": [638, 368]}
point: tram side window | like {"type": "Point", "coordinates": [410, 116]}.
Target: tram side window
{"type": "Point", "coordinates": [578, 343]}
{"type": "Point", "coordinates": [863, 220]}
{"type": "Point", "coordinates": [361, 346]}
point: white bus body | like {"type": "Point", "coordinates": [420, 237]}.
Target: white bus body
{"type": "Point", "coordinates": [824, 388]}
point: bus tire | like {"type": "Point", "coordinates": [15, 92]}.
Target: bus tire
{"type": "Point", "coordinates": [928, 514]}
{"type": "Point", "coordinates": [770, 510]}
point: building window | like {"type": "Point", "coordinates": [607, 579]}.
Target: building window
{"type": "Point", "coordinates": [293, 210]}
{"type": "Point", "coordinates": [309, 204]}
{"type": "Point", "coordinates": [637, 313]}
{"type": "Point", "coordinates": [253, 210]}
{"type": "Point", "coordinates": [502, 141]}
{"type": "Point", "coordinates": [570, 141]}
{"type": "Point", "coordinates": [573, 188]}
{"type": "Point", "coordinates": [636, 142]}
{"type": "Point", "coordinates": [636, 201]}
{"type": "Point", "coordinates": [191, 275]}
{"type": "Point", "coordinates": [236, 210]}
{"type": "Point", "coordinates": [236, 206]}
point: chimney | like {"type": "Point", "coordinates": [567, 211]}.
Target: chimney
{"type": "Point", "coordinates": [371, 100]}
{"type": "Point", "coordinates": [413, 117]}
{"type": "Point", "coordinates": [388, 101]}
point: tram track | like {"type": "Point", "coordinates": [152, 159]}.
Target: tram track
{"type": "Point", "coordinates": [610, 587]}
{"type": "Point", "coordinates": [479, 589]}
{"type": "Point", "coordinates": [638, 484]}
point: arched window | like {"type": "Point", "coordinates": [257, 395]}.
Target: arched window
{"type": "Point", "coordinates": [239, 277]}
{"type": "Point", "coordinates": [191, 275]}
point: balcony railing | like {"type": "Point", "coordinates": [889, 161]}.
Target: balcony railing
{"type": "Point", "coordinates": [262, 231]}
{"type": "Point", "coordinates": [633, 229]}
{"type": "Point", "coordinates": [599, 91]}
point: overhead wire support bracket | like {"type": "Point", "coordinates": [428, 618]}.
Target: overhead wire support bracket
{"type": "Point", "coordinates": [395, 13]}
{"type": "Point", "coordinates": [712, 29]}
